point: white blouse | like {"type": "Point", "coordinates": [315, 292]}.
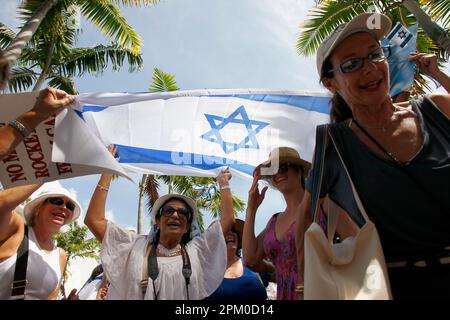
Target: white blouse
{"type": "Point", "coordinates": [122, 259]}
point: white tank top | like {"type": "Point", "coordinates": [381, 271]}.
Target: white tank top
{"type": "Point", "coordinates": [43, 271]}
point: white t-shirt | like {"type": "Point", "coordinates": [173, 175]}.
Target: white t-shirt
{"type": "Point", "coordinates": [122, 259]}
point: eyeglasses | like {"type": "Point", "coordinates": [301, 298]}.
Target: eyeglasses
{"type": "Point", "coordinates": [354, 64]}
{"type": "Point", "coordinates": [57, 201]}
{"type": "Point", "coordinates": [167, 211]}
{"type": "Point", "coordinates": [284, 167]}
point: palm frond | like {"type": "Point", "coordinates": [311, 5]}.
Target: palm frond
{"type": "Point", "coordinates": [322, 21]}
{"type": "Point", "coordinates": [21, 79]}
{"type": "Point", "coordinates": [63, 83]}
{"type": "Point", "coordinates": [107, 17]}
{"type": "Point", "coordinates": [439, 10]}
{"type": "Point", "coordinates": [6, 35]}
{"type": "Point", "coordinates": [151, 187]}
{"type": "Point", "coordinates": [134, 3]}
{"type": "Point", "coordinates": [95, 60]}
{"type": "Point", "coordinates": [162, 81]}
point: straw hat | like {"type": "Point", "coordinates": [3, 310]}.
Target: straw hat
{"type": "Point", "coordinates": [285, 155]}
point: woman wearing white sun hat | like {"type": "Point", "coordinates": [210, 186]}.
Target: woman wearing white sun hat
{"type": "Point", "coordinates": [31, 265]}
{"type": "Point", "coordinates": [170, 262]}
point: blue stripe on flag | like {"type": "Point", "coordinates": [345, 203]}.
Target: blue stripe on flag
{"type": "Point", "coordinates": [404, 43]}
{"type": "Point", "coordinates": [310, 103]}
{"type": "Point", "coordinates": [128, 154]}
{"type": "Point", "coordinates": [394, 31]}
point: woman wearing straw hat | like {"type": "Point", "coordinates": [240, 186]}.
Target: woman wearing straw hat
{"type": "Point", "coordinates": [33, 263]}
{"type": "Point", "coordinates": [277, 240]}
{"type": "Point", "coordinates": [240, 282]}
{"type": "Point", "coordinates": [397, 155]}
{"type": "Point", "coordinates": [169, 263]}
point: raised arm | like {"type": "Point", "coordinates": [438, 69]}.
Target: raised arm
{"type": "Point", "coordinates": [226, 201]}
{"type": "Point", "coordinates": [49, 102]}
{"type": "Point", "coordinates": [427, 63]}
{"type": "Point", "coordinates": [9, 200]}
{"type": "Point", "coordinates": [252, 246]}
{"type": "Point", "coordinates": [95, 218]}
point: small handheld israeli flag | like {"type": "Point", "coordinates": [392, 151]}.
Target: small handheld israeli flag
{"type": "Point", "coordinates": [402, 42]}
{"type": "Point", "coordinates": [399, 35]}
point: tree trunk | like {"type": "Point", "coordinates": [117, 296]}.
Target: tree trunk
{"type": "Point", "coordinates": [434, 31]}
{"type": "Point", "coordinates": [140, 218]}
{"type": "Point", "coordinates": [171, 184]}
{"type": "Point", "coordinates": [48, 62]}
{"type": "Point", "coordinates": [15, 48]}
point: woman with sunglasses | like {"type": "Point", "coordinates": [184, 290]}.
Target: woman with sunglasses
{"type": "Point", "coordinates": [277, 240]}
{"type": "Point", "coordinates": [173, 261]}
{"type": "Point", "coordinates": [398, 156]}
{"type": "Point", "coordinates": [29, 257]}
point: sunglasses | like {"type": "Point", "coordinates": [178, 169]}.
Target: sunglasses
{"type": "Point", "coordinates": [354, 64]}
{"type": "Point", "coordinates": [57, 201]}
{"type": "Point", "coordinates": [168, 211]}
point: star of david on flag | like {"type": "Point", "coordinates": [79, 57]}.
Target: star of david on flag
{"type": "Point", "coordinates": [239, 116]}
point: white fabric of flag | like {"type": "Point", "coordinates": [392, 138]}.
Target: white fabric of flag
{"type": "Point", "coordinates": [196, 132]}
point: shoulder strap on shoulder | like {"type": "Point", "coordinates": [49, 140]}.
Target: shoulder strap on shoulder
{"type": "Point", "coordinates": [20, 273]}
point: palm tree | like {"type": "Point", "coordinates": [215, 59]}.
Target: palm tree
{"type": "Point", "coordinates": [201, 189]}
{"type": "Point", "coordinates": [42, 20]}
{"type": "Point", "coordinates": [326, 15]}
{"type": "Point", "coordinates": [58, 62]}
{"type": "Point", "coordinates": [75, 243]}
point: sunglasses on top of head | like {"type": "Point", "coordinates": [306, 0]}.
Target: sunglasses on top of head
{"type": "Point", "coordinates": [57, 201]}
{"type": "Point", "coordinates": [168, 211]}
{"type": "Point", "coordinates": [354, 64]}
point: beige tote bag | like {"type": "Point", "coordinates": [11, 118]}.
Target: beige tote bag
{"type": "Point", "coordinates": [354, 269]}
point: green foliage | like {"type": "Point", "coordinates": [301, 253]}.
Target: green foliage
{"type": "Point", "coordinates": [162, 81]}
{"type": "Point", "coordinates": [76, 244]}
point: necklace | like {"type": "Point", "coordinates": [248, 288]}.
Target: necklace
{"type": "Point", "coordinates": [384, 126]}
{"type": "Point", "coordinates": [169, 252]}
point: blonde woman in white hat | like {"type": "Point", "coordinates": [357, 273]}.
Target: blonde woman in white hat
{"type": "Point", "coordinates": [277, 240]}
{"type": "Point", "coordinates": [33, 263]}
{"type": "Point", "coordinates": [397, 155]}
{"type": "Point", "coordinates": [169, 263]}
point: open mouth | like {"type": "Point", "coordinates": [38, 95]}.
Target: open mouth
{"type": "Point", "coordinates": [372, 84]}
{"type": "Point", "coordinates": [173, 224]}
{"type": "Point", "coordinates": [59, 216]}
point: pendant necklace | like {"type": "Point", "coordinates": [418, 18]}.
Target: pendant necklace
{"type": "Point", "coordinates": [169, 252]}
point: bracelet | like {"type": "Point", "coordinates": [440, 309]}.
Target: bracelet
{"type": "Point", "coordinates": [225, 187]}
{"type": "Point", "coordinates": [300, 287]}
{"type": "Point", "coordinates": [19, 127]}
{"type": "Point", "coordinates": [102, 187]}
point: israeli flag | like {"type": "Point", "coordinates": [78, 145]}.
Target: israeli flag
{"type": "Point", "coordinates": [196, 132]}
{"type": "Point", "coordinates": [402, 42]}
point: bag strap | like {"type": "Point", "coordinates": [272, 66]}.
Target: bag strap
{"type": "Point", "coordinates": [355, 193]}
{"type": "Point", "coordinates": [150, 269]}
{"type": "Point", "coordinates": [144, 281]}
{"type": "Point", "coordinates": [20, 272]}
{"type": "Point", "coordinates": [319, 160]}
